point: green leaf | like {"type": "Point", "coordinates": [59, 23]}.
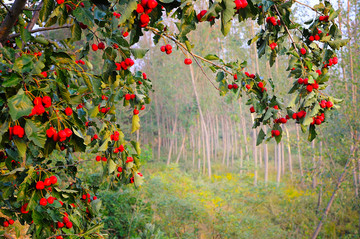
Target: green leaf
{"type": "Point", "coordinates": [76, 32]}
{"type": "Point", "coordinates": [47, 8]}
{"type": "Point", "coordinates": [136, 146]}
{"type": "Point", "coordinates": [35, 133]}
{"type": "Point", "coordinates": [25, 34]}
{"type": "Point", "coordinates": [104, 146]}
{"type": "Point", "coordinates": [220, 76]}
{"type": "Point", "coordinates": [260, 137]}
{"type": "Point", "coordinates": [126, 10]}
{"type": "Point", "coordinates": [21, 62]}
{"type": "Point", "coordinates": [211, 57]}
{"type": "Point", "coordinates": [102, 4]}
{"type": "Point", "coordinates": [112, 166]}
{"type": "Point", "coordinates": [139, 53]}
{"type": "Point", "coordinates": [135, 123]}
{"type": "Point", "coordinates": [19, 105]}
{"type": "Point", "coordinates": [12, 81]}
{"type": "Point", "coordinates": [21, 146]}
{"type": "Point", "coordinates": [336, 44]}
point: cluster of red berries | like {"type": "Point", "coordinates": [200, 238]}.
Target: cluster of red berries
{"type": "Point", "coordinates": [326, 104]}
{"type": "Point", "coordinates": [167, 48]}
{"type": "Point", "coordinates": [273, 45]}
{"type": "Point", "coordinates": [88, 198]}
{"type": "Point", "coordinates": [233, 86]}
{"type": "Point", "coordinates": [201, 14]}
{"type": "Point", "coordinates": [116, 15]}
{"type": "Point", "coordinates": [43, 201]}
{"type": "Point", "coordinates": [187, 61]}
{"type": "Point", "coordinates": [129, 96]}
{"type": "Point", "coordinates": [239, 4]}
{"type": "Point", "coordinates": [316, 38]}
{"type": "Point", "coordinates": [39, 105]}
{"type": "Point", "coordinates": [273, 21]}
{"type": "Point", "coordinates": [100, 46]}
{"type": "Point", "coordinates": [115, 136]}
{"type": "Point", "coordinates": [8, 222]}
{"type": "Point", "coordinates": [80, 62]}
{"type": "Point", "coordinates": [318, 119]}
{"type": "Point", "coordinates": [119, 149]}
{"type": "Point", "coordinates": [128, 62]}
{"type": "Point", "coordinates": [275, 133]}
{"type": "Point", "coordinates": [80, 106]}
{"type": "Point", "coordinates": [65, 222]}
{"type": "Point", "coordinates": [94, 137]}
{"type": "Point", "coordinates": [103, 110]}
{"type": "Point", "coordinates": [261, 86]}
{"type": "Point", "coordinates": [309, 87]}
{"type": "Point", "coordinates": [252, 76]}
{"type": "Point", "coordinates": [129, 159]}
{"type": "Point", "coordinates": [23, 208]}
{"type": "Point", "coordinates": [16, 130]}
{"type": "Point", "coordinates": [281, 120]}
{"type": "Point", "coordinates": [99, 158]}
{"type": "Point", "coordinates": [61, 136]}
{"type": "Point", "coordinates": [144, 8]}
{"type": "Point", "coordinates": [324, 18]}
{"type": "Point", "coordinates": [40, 185]}
{"type": "Point", "coordinates": [332, 61]}
{"type": "Point", "coordinates": [299, 115]}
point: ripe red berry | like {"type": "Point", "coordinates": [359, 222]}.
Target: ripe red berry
{"type": "Point", "coordinates": [151, 4]}
{"type": "Point", "coordinates": [60, 225]}
{"type": "Point", "coordinates": [329, 104]}
{"type": "Point", "coordinates": [276, 133]}
{"type": "Point", "coordinates": [68, 132]}
{"type": "Point", "coordinates": [104, 159]}
{"type": "Point", "coordinates": [144, 19]}
{"type": "Point", "coordinates": [187, 61]}
{"type": "Point", "coordinates": [200, 15]}
{"type": "Point", "coordinates": [68, 111]}
{"type": "Point", "coordinates": [47, 182]}
{"type": "Point", "coordinates": [230, 86]}
{"type": "Point", "coordinates": [119, 169]}
{"type": "Point", "coordinates": [300, 81]}
{"type": "Point", "coordinates": [101, 45]}
{"type": "Point", "coordinates": [260, 85]}
{"type": "Point", "coordinates": [125, 34]}
{"type": "Point", "coordinates": [252, 110]}
{"type": "Point", "coordinates": [6, 224]}
{"type": "Point", "coordinates": [303, 51]}
{"type": "Point", "coordinates": [136, 111]}
{"type": "Point", "coordinates": [321, 18]}
{"type": "Point", "coordinates": [140, 8]}
{"type": "Point", "coordinates": [317, 121]}
{"type": "Point", "coordinates": [306, 81]}
{"type": "Point", "coordinates": [311, 38]}
{"type": "Point", "coordinates": [127, 97]}
{"type": "Point", "coordinates": [98, 158]}
{"type": "Point", "coordinates": [235, 86]}
{"type": "Point", "coordinates": [317, 37]}
{"type": "Point", "coordinates": [53, 179]}
{"type": "Point", "coordinates": [309, 88]}
{"type": "Point", "coordinates": [248, 87]}
{"type": "Point", "coordinates": [62, 134]}
{"type": "Point", "coordinates": [46, 100]}
{"type": "Point", "coordinates": [235, 77]}
{"type": "Point", "coordinates": [69, 224]}
{"type": "Point", "coordinates": [40, 185]}
{"type": "Point", "coordinates": [94, 47]}
{"type": "Point", "coordinates": [162, 48]}
{"type": "Point", "coordinates": [60, 1]}
{"type": "Point", "coordinates": [43, 202]}
{"type": "Point", "coordinates": [11, 221]}
{"type": "Point", "coordinates": [37, 101]}
{"type": "Point", "coordinates": [44, 74]}
{"type": "Point", "coordinates": [51, 200]}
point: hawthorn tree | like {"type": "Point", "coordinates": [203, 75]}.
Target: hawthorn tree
{"type": "Point", "coordinates": [53, 105]}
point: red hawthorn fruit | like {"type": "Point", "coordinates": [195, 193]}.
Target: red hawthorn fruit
{"type": "Point", "coordinates": [169, 52]}
{"type": "Point", "coordinates": [142, 107]}
{"type": "Point", "coordinates": [69, 224]}
{"type": "Point", "coordinates": [235, 77]}
{"type": "Point", "coordinates": [56, 137]}
{"type": "Point", "coordinates": [283, 120]}
{"type": "Point", "coordinates": [326, 18]}
{"type": "Point", "coordinates": [323, 104]}
{"type": "Point", "coordinates": [144, 76]}
{"type": "Point", "coordinates": [23, 208]}
{"type": "Point", "coordinates": [187, 61]}
{"type": "Point", "coordinates": [321, 18]}
{"type": "Point", "coordinates": [144, 19]}
{"type": "Point", "coordinates": [300, 81]}
{"type": "Point", "coordinates": [252, 76]}
{"type": "Point", "coordinates": [248, 87]}
{"type": "Point", "coordinates": [315, 86]}
{"type": "Point", "coordinates": [95, 197]}
{"type": "Point", "coordinates": [115, 46]}
{"type": "Point", "coordinates": [136, 111]}
{"type": "Point", "coordinates": [140, 8]}
{"type": "Point", "coordinates": [95, 136]}
{"type": "Point", "coordinates": [88, 195]}
{"type": "Point", "coordinates": [151, 4]}
{"type": "Point", "coordinates": [40, 185]}
{"type": "Point", "coordinates": [317, 37]}
{"type": "Point", "coordinates": [329, 104]}
{"type": "Point", "coordinates": [317, 121]}
{"type": "Point", "coordinates": [68, 111]}
{"type": "Point", "coordinates": [116, 150]}
{"type": "Point", "coordinates": [129, 159]}
{"type": "Point", "coordinates": [287, 117]}
{"type": "Point", "coordinates": [101, 45]}
{"type": "Point", "coordinates": [276, 107]}
{"type": "Point", "coordinates": [319, 31]}
{"type": "Point", "coordinates": [6, 224]}
{"type": "Point", "coordinates": [62, 134]}
{"type": "Point", "coordinates": [18, 130]}
{"type": "Point", "coordinates": [46, 100]}
{"type": "Point", "coordinates": [60, 225]}
{"type": "Point", "coordinates": [132, 96]}
{"type": "Point", "coordinates": [335, 60]}
{"type": "Point", "coordinates": [68, 132]}
{"type": "Point", "coordinates": [260, 85]}
{"type": "Point", "coordinates": [247, 74]}
{"type": "Point", "coordinates": [43, 202]}
{"type": "Point", "coordinates": [273, 45]}
{"type": "Point", "coordinates": [83, 197]}
{"type": "Point", "coordinates": [47, 182]}
{"type": "Point", "coordinates": [94, 47]}
{"type": "Point", "coordinates": [44, 74]}
{"type": "Point", "coordinates": [319, 72]}
{"type": "Point", "coordinates": [98, 158]}
{"type": "Point", "coordinates": [309, 88]}
{"type": "Point", "coordinates": [235, 86]}
{"type": "Point", "coordinates": [37, 101]}
{"type": "Point", "coordinates": [50, 132]}
{"type": "Point", "coordinates": [82, 4]}
{"type": "Point", "coordinates": [53, 179]}
{"type": "Point", "coordinates": [50, 200]}
{"type": "Point", "coordinates": [121, 148]}
{"type": "Point", "coordinates": [303, 51]}
{"type": "Point", "coordinates": [168, 47]}
{"type": "Point", "coordinates": [230, 86]}
{"type": "Point", "coordinates": [104, 159]}
{"type": "Point", "coordinates": [200, 15]}
{"type": "Point", "coordinates": [11, 221]}
{"type": "Point", "coordinates": [39, 109]}
{"type": "Point", "coordinates": [252, 110]}
{"type": "Point", "coordinates": [306, 81]}
{"type": "Point", "coordinates": [119, 169]}
{"type": "Point", "coordinates": [276, 133]}
{"type": "Point", "coordinates": [60, 1]}
{"type": "Point", "coordinates": [311, 38]}
{"type": "Point", "coordinates": [162, 49]}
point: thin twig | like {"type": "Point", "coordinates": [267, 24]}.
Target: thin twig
{"type": "Point", "coordinates": [69, 165]}
{"type": "Point", "coordinates": [43, 29]}
{"type": "Point", "coordinates": [308, 7]}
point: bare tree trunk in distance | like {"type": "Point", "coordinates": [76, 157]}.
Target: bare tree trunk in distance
{"type": "Point", "coordinates": [255, 154]}
{"type": "Point", "coordinates": [299, 153]}
{"type": "Point", "coordinates": [289, 151]}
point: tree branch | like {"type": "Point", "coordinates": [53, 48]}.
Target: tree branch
{"type": "Point", "coordinates": [10, 19]}
{"type": "Point", "coordinates": [35, 16]}
{"type": "Point", "coordinates": [43, 29]}
{"type": "Point", "coordinates": [308, 6]}
{"type": "Point", "coordinates": [7, 9]}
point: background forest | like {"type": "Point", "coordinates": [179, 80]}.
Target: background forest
{"type": "Point", "coordinates": [204, 175]}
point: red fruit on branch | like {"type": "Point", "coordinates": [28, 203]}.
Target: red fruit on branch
{"type": "Point", "coordinates": [60, 225]}
{"type": "Point", "coordinates": [23, 208]}
{"type": "Point", "coordinates": [119, 169]}
{"type": "Point", "coordinates": [129, 159]}
{"type": "Point", "coordinates": [60, 1]}
{"type": "Point", "coordinates": [260, 85]}
{"type": "Point", "coordinates": [69, 224]}
{"type": "Point", "coordinates": [309, 88]}
{"type": "Point", "coordinates": [300, 81]}
{"type": "Point", "coordinates": [136, 111]}
{"type": "Point", "coordinates": [140, 8]}
{"type": "Point", "coordinates": [43, 202]}
{"type": "Point", "coordinates": [303, 51]}
{"type": "Point", "coordinates": [50, 200]}
{"type": "Point", "coordinates": [200, 15]}
{"type": "Point", "coordinates": [187, 61]}
{"type": "Point", "coordinates": [317, 37]}
{"type": "Point", "coordinates": [144, 19]}
{"type": "Point", "coordinates": [311, 38]}
{"type": "Point", "coordinates": [68, 132]}
{"type": "Point", "coordinates": [11, 221]}
{"type": "Point", "coordinates": [248, 87]}
{"type": "Point", "coordinates": [101, 45]}
{"type": "Point", "coordinates": [98, 158]}
{"type": "Point", "coordinates": [47, 182]}
{"type": "Point", "coordinates": [37, 101]}
{"type": "Point", "coordinates": [68, 111]}
{"type": "Point", "coordinates": [230, 86]}
{"type": "Point", "coordinates": [53, 179]}
{"type": "Point", "coordinates": [329, 104]}
{"type": "Point", "coordinates": [151, 4]}
{"type": "Point", "coordinates": [46, 100]}
{"type": "Point", "coordinates": [6, 224]}
{"type": "Point", "coordinates": [94, 47]}
{"type": "Point", "coordinates": [235, 86]}
{"type": "Point", "coordinates": [252, 109]}
{"type": "Point", "coordinates": [162, 49]}
{"type": "Point", "coordinates": [40, 185]}
{"type": "Point", "coordinates": [125, 34]}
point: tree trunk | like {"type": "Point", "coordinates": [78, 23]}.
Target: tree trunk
{"type": "Point", "coordinates": [172, 139]}
{"type": "Point", "coordinates": [278, 172]}
{"type": "Point", "coordinates": [266, 160]}
{"type": "Point", "coordinates": [299, 153]}
{"type": "Point", "coordinates": [255, 154]}
{"type": "Point", "coordinates": [314, 164]}
{"type": "Point", "coordinates": [181, 148]}
{"type": "Point", "coordinates": [289, 152]}
{"type": "Point", "coordinates": [243, 125]}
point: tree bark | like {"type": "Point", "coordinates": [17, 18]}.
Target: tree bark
{"type": "Point", "coordinates": [10, 19]}
{"type": "Point", "coordinates": [255, 154]}
{"type": "Point", "coordinates": [266, 160]}
{"type": "Point", "coordinates": [299, 153]}
{"type": "Point", "coordinates": [289, 152]}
